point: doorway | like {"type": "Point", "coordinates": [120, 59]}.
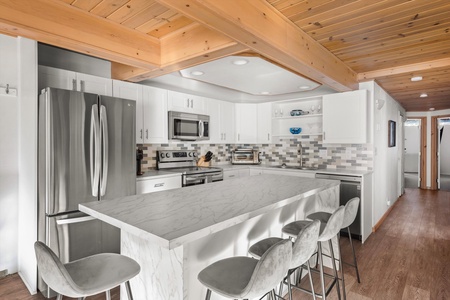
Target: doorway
{"type": "Point", "coordinates": [412, 153]}
{"type": "Point", "coordinates": [440, 153]}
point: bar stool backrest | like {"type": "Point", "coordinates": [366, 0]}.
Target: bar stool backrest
{"type": "Point", "coordinates": [270, 270]}
{"type": "Point", "coordinates": [333, 226]}
{"type": "Point", "coordinates": [305, 244]}
{"type": "Point", "coordinates": [351, 209]}
{"type": "Point", "coordinates": [53, 271]}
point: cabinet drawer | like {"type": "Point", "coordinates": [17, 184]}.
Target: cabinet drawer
{"type": "Point", "coordinates": [157, 184]}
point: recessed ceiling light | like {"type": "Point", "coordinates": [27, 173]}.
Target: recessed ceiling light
{"type": "Point", "coordinates": [423, 95]}
{"type": "Point", "coordinates": [240, 62]}
{"type": "Point", "coordinates": [197, 73]}
{"type": "Point", "coordinates": [416, 78]}
{"type": "Point", "coordinates": [304, 87]}
{"type": "Point", "coordinates": [265, 93]}
{"type": "Point", "coordinates": [432, 108]}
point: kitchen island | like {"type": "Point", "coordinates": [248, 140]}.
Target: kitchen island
{"type": "Point", "coordinates": [174, 234]}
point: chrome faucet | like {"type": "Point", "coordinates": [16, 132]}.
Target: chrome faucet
{"type": "Point", "coordinates": [300, 152]}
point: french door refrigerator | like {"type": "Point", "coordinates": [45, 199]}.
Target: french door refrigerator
{"type": "Point", "coordinates": [86, 153]}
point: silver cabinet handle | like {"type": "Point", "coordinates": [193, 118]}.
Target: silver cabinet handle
{"type": "Point", "coordinates": [74, 220]}
{"type": "Point", "coordinates": [94, 150]}
{"type": "Point", "coordinates": [74, 84]}
{"type": "Point", "coordinates": [239, 137]}
{"type": "Point", "coordinates": [188, 103]}
{"type": "Point", "coordinates": [159, 184]}
{"type": "Point", "coordinates": [141, 135]}
{"type": "Point", "coordinates": [82, 86]}
{"type": "Point", "coordinates": [268, 136]}
{"type": "Point", "coordinates": [225, 136]}
{"type": "Point", "coordinates": [192, 103]}
{"type": "Point", "coordinates": [323, 136]}
{"type": "Point", "coordinates": [231, 175]}
{"type": "Point", "coordinates": [146, 134]}
{"type": "Point", "coordinates": [104, 128]}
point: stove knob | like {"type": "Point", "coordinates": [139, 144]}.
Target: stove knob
{"type": "Point", "coordinates": [190, 154]}
{"type": "Point", "coordinates": [162, 155]}
{"type": "Point", "coordinates": [194, 154]}
{"type": "Point", "coordinates": [167, 155]}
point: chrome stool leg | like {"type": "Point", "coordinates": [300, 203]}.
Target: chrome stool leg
{"type": "Point", "coordinates": [333, 261]}
{"type": "Point", "coordinates": [341, 265]}
{"type": "Point", "coordinates": [322, 276]}
{"type": "Point", "coordinates": [128, 287]}
{"type": "Point", "coordinates": [108, 295]}
{"type": "Point", "coordinates": [354, 254]}
{"type": "Point", "coordinates": [310, 280]}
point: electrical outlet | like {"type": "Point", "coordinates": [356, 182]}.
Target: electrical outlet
{"type": "Point", "coordinates": [388, 202]}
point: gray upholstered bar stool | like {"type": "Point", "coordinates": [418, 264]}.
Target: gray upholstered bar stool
{"type": "Point", "coordinates": [87, 276]}
{"type": "Point", "coordinates": [327, 232]}
{"type": "Point", "coordinates": [243, 277]}
{"type": "Point", "coordinates": [351, 209]}
{"type": "Point", "coordinates": [302, 250]}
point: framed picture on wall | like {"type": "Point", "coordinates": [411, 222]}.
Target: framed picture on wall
{"type": "Point", "coordinates": [391, 133]}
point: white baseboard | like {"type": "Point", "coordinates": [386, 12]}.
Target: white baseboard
{"type": "Point", "coordinates": [32, 292]}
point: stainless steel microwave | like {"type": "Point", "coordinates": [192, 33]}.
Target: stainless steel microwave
{"type": "Point", "coordinates": [188, 127]}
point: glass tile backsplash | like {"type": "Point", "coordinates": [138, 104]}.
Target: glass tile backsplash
{"type": "Point", "coordinates": [345, 156]}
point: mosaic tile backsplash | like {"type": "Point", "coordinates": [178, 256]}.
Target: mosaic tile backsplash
{"type": "Point", "coordinates": [348, 156]}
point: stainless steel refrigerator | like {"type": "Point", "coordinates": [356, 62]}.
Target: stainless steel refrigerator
{"type": "Point", "coordinates": [87, 153]}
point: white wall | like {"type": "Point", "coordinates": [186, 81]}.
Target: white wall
{"type": "Point", "coordinates": [412, 148]}
{"type": "Point", "coordinates": [387, 180]}
{"type": "Point", "coordinates": [27, 54]}
{"type": "Point", "coordinates": [445, 151]}
{"type": "Point", "coordinates": [9, 149]}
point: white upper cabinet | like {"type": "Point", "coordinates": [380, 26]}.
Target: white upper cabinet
{"type": "Point", "coordinates": [265, 123]}
{"type": "Point", "coordinates": [221, 123]}
{"type": "Point", "coordinates": [68, 80]}
{"type": "Point", "coordinates": [186, 103]}
{"type": "Point", "coordinates": [151, 110]}
{"type": "Point", "coordinates": [345, 118]}
{"type": "Point", "coordinates": [246, 123]}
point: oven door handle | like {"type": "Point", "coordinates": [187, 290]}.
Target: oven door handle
{"type": "Point", "coordinates": [190, 178]}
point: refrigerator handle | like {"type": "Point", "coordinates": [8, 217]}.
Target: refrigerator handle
{"type": "Point", "coordinates": [104, 129]}
{"type": "Point", "coordinates": [95, 150]}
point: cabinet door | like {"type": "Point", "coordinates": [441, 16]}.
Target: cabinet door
{"type": "Point", "coordinates": [215, 118]}
{"type": "Point", "coordinates": [265, 123]}
{"type": "Point", "coordinates": [345, 118]}
{"type": "Point", "coordinates": [94, 84]}
{"type": "Point", "coordinates": [155, 115]}
{"type": "Point", "coordinates": [132, 91]}
{"type": "Point", "coordinates": [246, 120]}
{"type": "Point", "coordinates": [186, 103]}
{"type": "Point", "coordinates": [159, 184]}
{"type": "Point", "coordinates": [56, 78]}
{"type": "Point", "coordinates": [227, 122]}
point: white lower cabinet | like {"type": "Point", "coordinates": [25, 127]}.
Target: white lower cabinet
{"type": "Point", "coordinates": [151, 185]}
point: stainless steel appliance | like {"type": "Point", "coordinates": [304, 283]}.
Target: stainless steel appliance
{"type": "Point", "coordinates": [86, 153]}
{"type": "Point", "coordinates": [244, 156]}
{"type": "Point", "coordinates": [185, 162]}
{"type": "Point", "coordinates": [188, 127]}
{"type": "Point", "coordinates": [350, 188]}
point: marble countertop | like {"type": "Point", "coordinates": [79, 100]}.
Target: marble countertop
{"type": "Point", "coordinates": [155, 174]}
{"type": "Point", "coordinates": [175, 217]}
{"type": "Point", "coordinates": [348, 172]}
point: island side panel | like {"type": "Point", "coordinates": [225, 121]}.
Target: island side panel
{"type": "Point", "coordinates": [161, 275]}
{"type": "Point", "coordinates": [235, 240]}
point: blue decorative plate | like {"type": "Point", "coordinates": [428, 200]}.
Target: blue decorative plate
{"type": "Point", "coordinates": [295, 130]}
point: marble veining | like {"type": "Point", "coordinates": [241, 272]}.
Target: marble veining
{"type": "Point", "coordinates": [176, 217]}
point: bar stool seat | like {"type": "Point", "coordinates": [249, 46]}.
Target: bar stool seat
{"type": "Point", "coordinates": [87, 276]}
{"type": "Point", "coordinates": [302, 250]}
{"type": "Point", "coordinates": [244, 277]}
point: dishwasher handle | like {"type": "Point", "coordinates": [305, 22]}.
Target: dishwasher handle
{"type": "Point", "coordinates": [339, 177]}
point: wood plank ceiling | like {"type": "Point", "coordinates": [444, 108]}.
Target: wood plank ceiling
{"type": "Point", "coordinates": [334, 42]}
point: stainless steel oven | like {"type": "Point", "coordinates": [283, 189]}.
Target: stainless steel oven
{"type": "Point", "coordinates": [188, 127]}
{"type": "Point", "coordinates": [185, 162]}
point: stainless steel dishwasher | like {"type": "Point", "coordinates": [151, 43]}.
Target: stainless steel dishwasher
{"type": "Point", "coordinates": [350, 188]}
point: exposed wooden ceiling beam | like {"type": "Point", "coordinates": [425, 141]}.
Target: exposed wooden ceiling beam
{"type": "Point", "coordinates": [260, 27]}
{"type": "Point", "coordinates": [59, 24]}
{"type": "Point", "coordinates": [194, 45]}
{"type": "Point", "coordinates": [413, 68]}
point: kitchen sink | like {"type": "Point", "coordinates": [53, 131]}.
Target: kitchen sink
{"type": "Point", "coordinates": [283, 166]}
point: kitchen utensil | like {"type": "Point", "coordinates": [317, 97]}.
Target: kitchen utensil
{"type": "Point", "coordinates": [208, 156]}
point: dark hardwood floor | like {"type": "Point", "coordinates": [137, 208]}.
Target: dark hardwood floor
{"type": "Point", "coordinates": [407, 258]}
